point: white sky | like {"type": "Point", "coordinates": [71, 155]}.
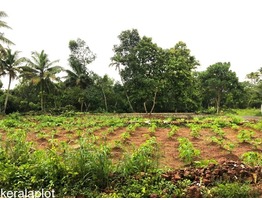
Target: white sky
{"type": "Point", "coordinates": [214, 30]}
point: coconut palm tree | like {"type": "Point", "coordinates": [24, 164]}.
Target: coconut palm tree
{"type": "Point", "coordinates": [78, 76]}
{"type": "Point", "coordinates": [3, 39]}
{"type": "Point", "coordinates": [42, 72]}
{"type": "Point", "coordinates": [9, 66]}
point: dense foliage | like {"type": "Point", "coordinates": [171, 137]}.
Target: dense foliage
{"type": "Point", "coordinates": [153, 79]}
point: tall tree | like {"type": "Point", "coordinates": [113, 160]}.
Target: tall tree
{"type": "Point", "coordinates": [254, 88]}
{"type": "Point", "coordinates": [148, 72]}
{"type": "Point", "coordinates": [3, 39]}
{"type": "Point", "coordinates": [9, 66]}
{"type": "Point", "coordinates": [217, 81]}
{"type": "Point", "coordinates": [180, 80]}
{"type": "Point", "coordinates": [106, 86]}
{"type": "Point", "coordinates": [125, 56]}
{"type": "Point", "coordinates": [42, 72]}
{"type": "Point", "coordinates": [80, 57]}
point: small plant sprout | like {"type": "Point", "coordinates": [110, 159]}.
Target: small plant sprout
{"type": "Point", "coordinates": [173, 131]}
{"type": "Point", "coordinates": [245, 136]}
{"type": "Point", "coordinates": [118, 144]}
{"type": "Point", "coordinates": [195, 130]}
{"type": "Point", "coordinates": [234, 127]}
{"type": "Point", "coordinates": [111, 130]}
{"type": "Point", "coordinates": [229, 147]}
{"type": "Point", "coordinates": [252, 158]}
{"type": "Point", "coordinates": [125, 136]}
{"type": "Point", "coordinates": [218, 130]}
{"type": "Point", "coordinates": [187, 152]}
{"type": "Point", "coordinates": [153, 128]}
{"type": "Point", "coordinates": [218, 140]}
{"type": "Point", "coordinates": [257, 143]}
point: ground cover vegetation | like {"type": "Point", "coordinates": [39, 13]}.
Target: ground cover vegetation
{"type": "Point", "coordinates": [130, 155]}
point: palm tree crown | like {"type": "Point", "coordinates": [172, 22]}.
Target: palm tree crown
{"type": "Point", "coordinates": [9, 65]}
{"type": "Point", "coordinates": [3, 39]}
{"type": "Point", "coordinates": [42, 72]}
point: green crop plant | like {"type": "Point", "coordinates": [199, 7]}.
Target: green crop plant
{"type": "Point", "coordinates": [153, 128]}
{"type": "Point", "coordinates": [222, 122]}
{"type": "Point", "coordinates": [187, 152]}
{"type": "Point", "coordinates": [257, 143]}
{"type": "Point", "coordinates": [194, 130]}
{"type": "Point", "coordinates": [125, 136]}
{"type": "Point", "coordinates": [234, 127]}
{"type": "Point", "coordinates": [91, 164]}
{"type": "Point", "coordinates": [118, 144]}
{"type": "Point", "coordinates": [229, 147]}
{"type": "Point", "coordinates": [216, 129]}
{"type": "Point", "coordinates": [173, 131]}
{"type": "Point", "coordinates": [257, 126]}
{"type": "Point", "coordinates": [218, 140]}
{"type": "Point", "coordinates": [252, 158]}
{"type": "Point", "coordinates": [204, 163]}
{"type": "Point", "coordinates": [232, 190]}
{"type": "Point", "coordinates": [245, 135]}
{"type": "Point", "coordinates": [111, 129]}
{"type": "Point", "coordinates": [143, 159]}
{"type": "Point", "coordinates": [42, 135]}
{"type": "Point", "coordinates": [131, 128]}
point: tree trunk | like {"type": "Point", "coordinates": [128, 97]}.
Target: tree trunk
{"type": "Point", "coordinates": [7, 93]}
{"type": "Point", "coordinates": [82, 105]}
{"type": "Point", "coordinates": [145, 107]}
{"type": "Point", "coordinates": [42, 95]}
{"type": "Point", "coordinates": [218, 100]}
{"type": "Point", "coordinates": [128, 100]}
{"type": "Point", "coordinates": [154, 102]}
{"type": "Point", "coordinates": [130, 105]}
{"type": "Point", "coordinates": [105, 99]}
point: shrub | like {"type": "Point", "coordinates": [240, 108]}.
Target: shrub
{"type": "Point", "coordinates": [144, 159]}
{"type": "Point", "coordinates": [252, 158]}
{"type": "Point", "coordinates": [245, 135]}
{"type": "Point", "coordinates": [187, 152]}
{"type": "Point", "coordinates": [173, 131]}
{"type": "Point", "coordinates": [233, 190]}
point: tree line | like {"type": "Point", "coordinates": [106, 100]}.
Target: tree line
{"type": "Point", "coordinates": [153, 79]}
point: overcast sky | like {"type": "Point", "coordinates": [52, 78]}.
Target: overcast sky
{"type": "Point", "coordinates": [214, 30]}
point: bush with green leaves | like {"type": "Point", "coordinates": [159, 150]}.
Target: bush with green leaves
{"type": "Point", "coordinates": [143, 159]}
{"type": "Point", "coordinates": [194, 130]}
{"type": "Point", "coordinates": [91, 165]}
{"type": "Point", "coordinates": [245, 135]}
{"type": "Point", "coordinates": [187, 152]}
{"type": "Point", "coordinates": [233, 190]}
{"type": "Point", "coordinates": [218, 130]}
{"type": "Point", "coordinates": [147, 185]}
{"type": "Point", "coordinates": [252, 158]}
{"type": "Point", "coordinates": [172, 131]}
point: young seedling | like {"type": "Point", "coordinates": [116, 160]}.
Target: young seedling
{"type": "Point", "coordinates": [125, 136]}
{"type": "Point", "coordinates": [252, 158]}
{"type": "Point", "coordinates": [257, 143]}
{"type": "Point", "coordinates": [218, 140]}
{"type": "Point", "coordinates": [195, 130]}
{"type": "Point", "coordinates": [187, 152]}
{"type": "Point", "coordinates": [153, 128]}
{"type": "Point", "coordinates": [245, 136]}
{"type": "Point", "coordinates": [173, 131]}
{"type": "Point", "coordinates": [218, 130]}
{"type": "Point", "coordinates": [229, 147]}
